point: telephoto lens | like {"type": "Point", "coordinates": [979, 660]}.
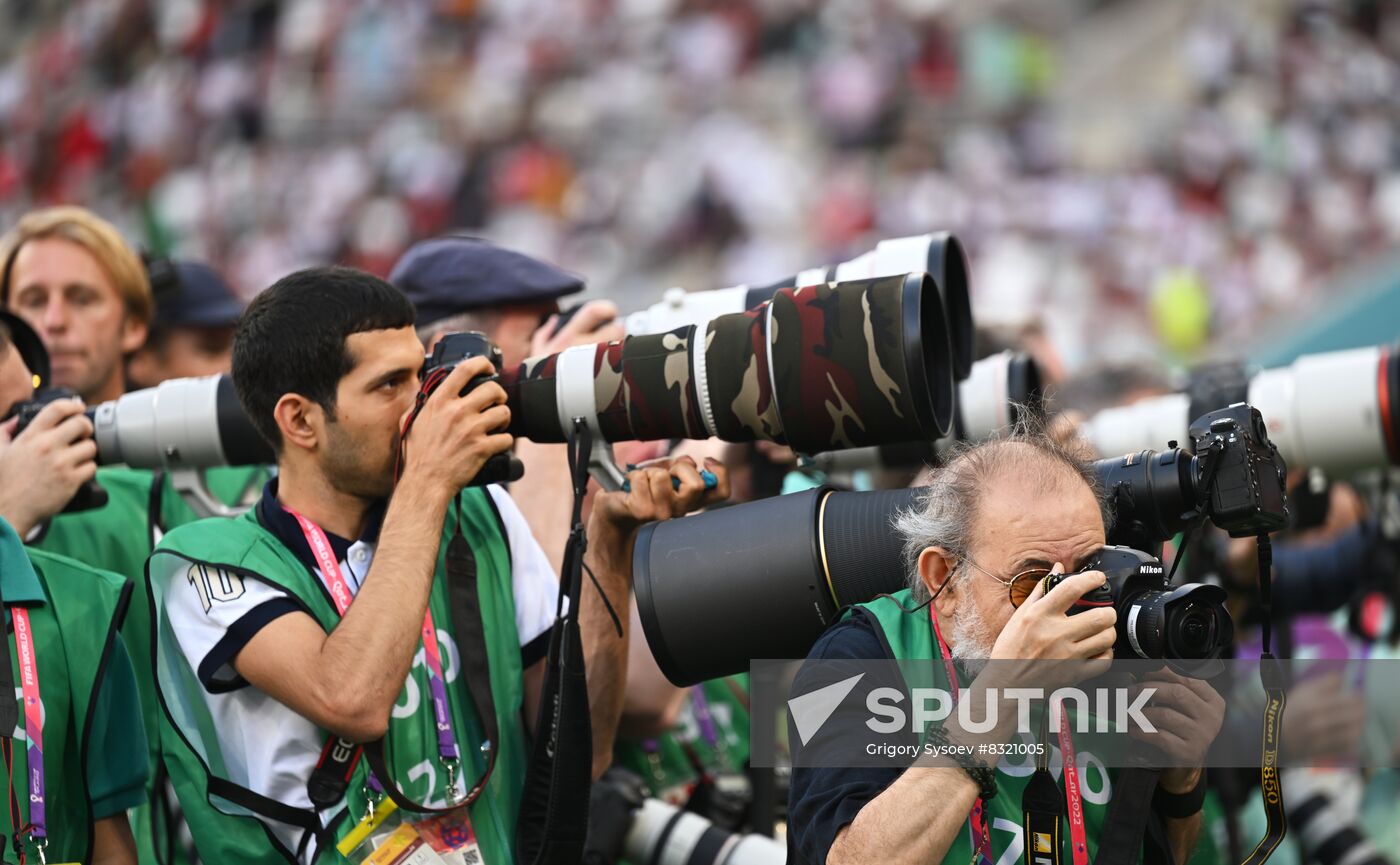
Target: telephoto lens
{"type": "Point", "coordinates": [940, 255]}
{"type": "Point", "coordinates": [192, 423]}
{"type": "Point", "coordinates": [990, 402]}
{"type": "Point", "coordinates": [797, 559]}
{"type": "Point", "coordinates": [826, 366]}
{"type": "Point", "coordinates": [1337, 411]}
{"type": "Point", "coordinates": [666, 835]}
{"type": "Point", "coordinates": [183, 423]}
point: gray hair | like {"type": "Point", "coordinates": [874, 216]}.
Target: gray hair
{"type": "Point", "coordinates": [484, 320]}
{"type": "Point", "coordinates": [945, 513]}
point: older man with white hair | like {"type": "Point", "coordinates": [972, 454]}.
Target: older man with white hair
{"type": "Point", "coordinates": [996, 520]}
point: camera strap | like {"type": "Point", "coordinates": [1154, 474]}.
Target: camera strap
{"type": "Point", "coordinates": [977, 817]}
{"type": "Point", "coordinates": [1040, 802]}
{"type": "Point", "coordinates": [553, 824]}
{"type": "Point", "coordinates": [1271, 676]}
{"type": "Point", "coordinates": [1040, 805]}
{"type": "Point", "coordinates": [331, 776]}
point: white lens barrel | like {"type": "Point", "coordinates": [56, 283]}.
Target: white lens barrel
{"type": "Point", "coordinates": [573, 389]}
{"type": "Point", "coordinates": [170, 426]}
{"type": "Point", "coordinates": [657, 823]}
{"type": "Point", "coordinates": [1150, 423]}
{"type": "Point", "coordinates": [983, 398]}
{"type": "Point", "coordinates": [678, 308]}
{"type": "Point", "coordinates": [1323, 410]}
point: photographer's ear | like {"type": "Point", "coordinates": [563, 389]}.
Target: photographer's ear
{"type": "Point", "coordinates": [936, 566]}
{"type": "Point", "coordinates": [301, 421]}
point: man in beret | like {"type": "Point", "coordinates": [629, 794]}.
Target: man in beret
{"type": "Point", "coordinates": [464, 283]}
{"type": "Point", "coordinates": [192, 334]}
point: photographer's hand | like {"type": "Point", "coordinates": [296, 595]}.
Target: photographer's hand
{"type": "Point", "coordinates": [44, 466]}
{"type": "Point", "coordinates": [596, 321]}
{"type": "Point", "coordinates": [612, 531]}
{"type": "Point", "coordinates": [454, 436]}
{"type": "Point", "coordinates": [1041, 630]}
{"type": "Point", "coordinates": [1188, 714]}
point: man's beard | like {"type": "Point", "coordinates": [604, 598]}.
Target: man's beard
{"type": "Point", "coordinates": [972, 640]}
{"type": "Point", "coordinates": [352, 468]}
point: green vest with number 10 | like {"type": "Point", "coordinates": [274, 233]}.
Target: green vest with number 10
{"type": "Point", "coordinates": [223, 830]}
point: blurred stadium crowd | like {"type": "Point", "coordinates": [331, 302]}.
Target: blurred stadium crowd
{"type": "Point", "coordinates": [647, 143]}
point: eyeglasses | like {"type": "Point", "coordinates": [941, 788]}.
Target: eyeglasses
{"type": "Point", "coordinates": [1018, 587]}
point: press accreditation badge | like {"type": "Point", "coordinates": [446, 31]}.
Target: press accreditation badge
{"type": "Point", "coordinates": [445, 838]}
{"type": "Point", "coordinates": [452, 838]}
{"type": "Point", "coordinates": [404, 846]}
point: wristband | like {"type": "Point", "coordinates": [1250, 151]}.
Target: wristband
{"type": "Point", "coordinates": [983, 776]}
{"type": "Point", "coordinates": [1179, 806]}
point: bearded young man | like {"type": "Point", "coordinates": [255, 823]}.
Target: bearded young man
{"type": "Point", "coordinates": [295, 632]}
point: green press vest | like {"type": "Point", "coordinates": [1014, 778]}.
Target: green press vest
{"type": "Point", "coordinates": [221, 812]}
{"type": "Point", "coordinates": [664, 763]}
{"type": "Point", "coordinates": [74, 632]}
{"type": "Point", "coordinates": [909, 636]}
{"type": "Point", "coordinates": [118, 537]}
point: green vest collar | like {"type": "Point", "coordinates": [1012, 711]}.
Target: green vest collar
{"type": "Point", "coordinates": [18, 582]}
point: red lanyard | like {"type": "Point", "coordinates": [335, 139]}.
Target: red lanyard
{"type": "Point", "coordinates": [1072, 797]}
{"type": "Point", "coordinates": [342, 596]}
{"type": "Point", "coordinates": [33, 726]}
{"type": "Point", "coordinates": [977, 820]}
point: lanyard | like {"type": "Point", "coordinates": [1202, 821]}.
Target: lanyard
{"type": "Point", "coordinates": [1072, 794]}
{"type": "Point", "coordinates": [704, 718]}
{"type": "Point", "coordinates": [33, 726]}
{"type": "Point", "coordinates": [342, 596]}
{"type": "Point", "coordinates": [977, 819]}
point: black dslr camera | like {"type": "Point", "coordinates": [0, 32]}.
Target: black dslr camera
{"type": "Point", "coordinates": [451, 350]}
{"type": "Point", "coordinates": [1247, 476]}
{"type": "Point", "coordinates": [1185, 626]}
{"type": "Point", "coordinates": [29, 409]}
{"type": "Point", "coordinates": [91, 494]}
{"type": "Point", "coordinates": [1236, 478]}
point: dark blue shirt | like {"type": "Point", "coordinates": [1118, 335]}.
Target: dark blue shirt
{"type": "Point", "coordinates": [821, 801]}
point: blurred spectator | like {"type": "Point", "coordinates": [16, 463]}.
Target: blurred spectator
{"type": "Point", "coordinates": [74, 280]}
{"type": "Point", "coordinates": [711, 142]}
{"type": "Point", "coordinates": [192, 334]}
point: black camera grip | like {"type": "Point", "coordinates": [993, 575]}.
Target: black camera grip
{"type": "Point", "coordinates": [90, 496]}
{"type": "Point", "coordinates": [1092, 600]}
{"type": "Point", "coordinates": [499, 469]}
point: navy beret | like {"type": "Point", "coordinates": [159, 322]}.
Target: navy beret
{"type": "Point", "coordinates": [198, 297]}
{"type": "Point", "coordinates": [448, 275]}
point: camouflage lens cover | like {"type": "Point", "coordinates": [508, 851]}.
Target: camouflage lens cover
{"type": "Point", "coordinates": [736, 367]}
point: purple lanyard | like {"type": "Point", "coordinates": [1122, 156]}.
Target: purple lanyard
{"type": "Point", "coordinates": [703, 717]}
{"type": "Point", "coordinates": [437, 687]}
{"type": "Point", "coordinates": [33, 725]}
{"type": "Point", "coordinates": [342, 596]}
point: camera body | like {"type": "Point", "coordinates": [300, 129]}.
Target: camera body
{"type": "Point", "coordinates": [454, 349]}
{"type": "Point", "coordinates": [1184, 626]}
{"type": "Point", "coordinates": [91, 494]}
{"type": "Point", "coordinates": [1247, 491]}
{"type": "Point", "coordinates": [29, 409]}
